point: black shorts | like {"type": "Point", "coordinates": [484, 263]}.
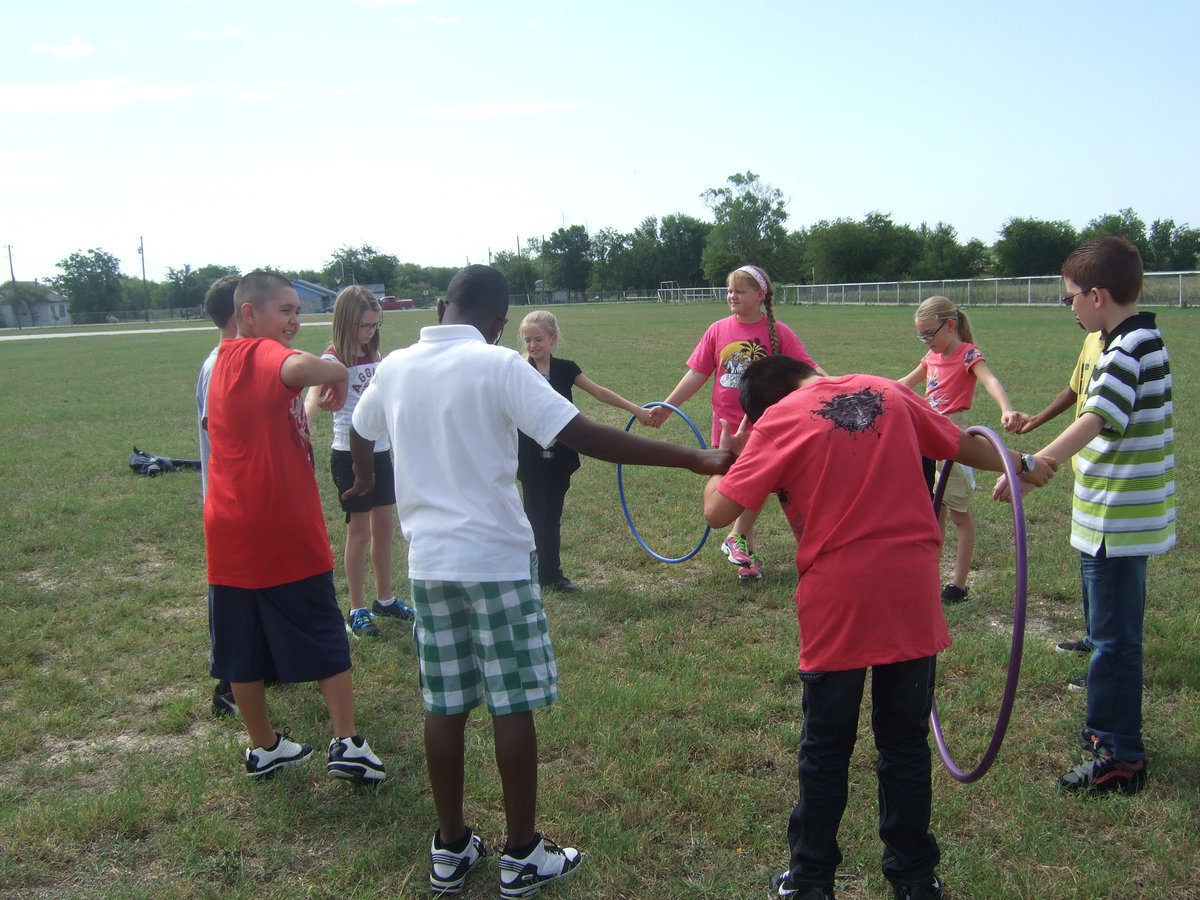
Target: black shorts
{"type": "Point", "coordinates": [341, 467]}
{"type": "Point", "coordinates": [293, 632]}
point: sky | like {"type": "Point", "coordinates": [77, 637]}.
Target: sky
{"type": "Point", "coordinates": [255, 133]}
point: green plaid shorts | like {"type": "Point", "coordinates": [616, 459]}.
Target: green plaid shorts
{"type": "Point", "coordinates": [483, 639]}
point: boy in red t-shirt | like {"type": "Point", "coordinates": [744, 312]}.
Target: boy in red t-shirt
{"type": "Point", "coordinates": [273, 613]}
{"type": "Point", "coordinates": [844, 456]}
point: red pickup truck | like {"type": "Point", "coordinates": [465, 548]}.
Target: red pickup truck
{"type": "Point", "coordinates": [393, 303]}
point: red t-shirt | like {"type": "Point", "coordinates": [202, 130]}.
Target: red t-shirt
{"type": "Point", "coordinates": [844, 455]}
{"type": "Point", "coordinates": [263, 523]}
{"type": "Point", "coordinates": [728, 346]}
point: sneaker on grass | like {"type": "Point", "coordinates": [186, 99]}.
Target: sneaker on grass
{"type": "Point", "coordinates": [753, 570]}
{"type": "Point", "coordinates": [737, 549]}
{"type": "Point", "coordinates": [223, 703]}
{"type": "Point", "coordinates": [546, 863]}
{"type": "Point", "coordinates": [396, 609]}
{"type": "Point", "coordinates": [1077, 685]}
{"type": "Point", "coordinates": [1104, 775]}
{"type": "Point", "coordinates": [930, 889]}
{"type": "Point", "coordinates": [359, 624]}
{"type": "Point", "coordinates": [263, 762]}
{"type": "Point", "coordinates": [1081, 646]}
{"type": "Point", "coordinates": [449, 869]}
{"type": "Point", "coordinates": [783, 886]}
{"type": "Point", "coordinates": [952, 594]}
{"type": "Point", "coordinates": [351, 758]}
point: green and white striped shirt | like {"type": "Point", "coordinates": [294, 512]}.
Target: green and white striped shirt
{"type": "Point", "coordinates": [1125, 478]}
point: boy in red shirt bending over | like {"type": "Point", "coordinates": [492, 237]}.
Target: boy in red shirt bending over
{"type": "Point", "coordinates": [844, 456]}
{"type": "Point", "coordinates": [273, 613]}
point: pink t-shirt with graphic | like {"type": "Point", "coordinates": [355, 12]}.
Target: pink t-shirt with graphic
{"type": "Point", "coordinates": [728, 346]}
{"type": "Point", "coordinates": [949, 381]}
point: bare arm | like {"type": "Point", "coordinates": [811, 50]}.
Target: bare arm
{"type": "Point", "coordinates": [312, 402]}
{"type": "Point", "coordinates": [691, 382]}
{"type": "Point", "coordinates": [1025, 423]}
{"type": "Point", "coordinates": [617, 446]}
{"type": "Point", "coordinates": [304, 370]}
{"type": "Point", "coordinates": [913, 378]}
{"type": "Point", "coordinates": [1073, 438]}
{"type": "Point", "coordinates": [996, 391]}
{"type": "Point", "coordinates": [612, 398]}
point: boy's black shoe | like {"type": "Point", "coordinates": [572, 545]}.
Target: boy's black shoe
{"type": "Point", "coordinates": [952, 594]}
{"type": "Point", "coordinates": [223, 703]}
{"type": "Point", "coordinates": [783, 886]}
{"type": "Point", "coordinates": [1080, 646]}
{"type": "Point", "coordinates": [1104, 775]}
{"type": "Point", "coordinates": [563, 584]}
{"type": "Point", "coordinates": [922, 890]}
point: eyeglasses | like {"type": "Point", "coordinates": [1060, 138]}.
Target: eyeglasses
{"type": "Point", "coordinates": [1069, 300]}
{"type": "Point", "coordinates": [373, 326]}
{"type": "Point", "coordinates": [926, 337]}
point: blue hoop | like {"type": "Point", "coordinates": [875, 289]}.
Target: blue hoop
{"type": "Point", "coordinates": [621, 488]}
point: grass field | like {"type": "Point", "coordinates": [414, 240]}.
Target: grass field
{"type": "Point", "coordinates": [671, 756]}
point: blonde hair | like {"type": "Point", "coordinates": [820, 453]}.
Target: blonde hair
{"type": "Point", "coordinates": [543, 319]}
{"type": "Point", "coordinates": [943, 308]}
{"type": "Point", "coordinates": [348, 310]}
{"type": "Point", "coordinates": [756, 278]}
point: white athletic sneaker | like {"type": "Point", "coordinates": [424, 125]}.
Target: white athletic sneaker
{"type": "Point", "coordinates": [546, 864]}
{"type": "Point", "coordinates": [262, 762]}
{"type": "Point", "coordinates": [449, 870]}
{"type": "Point", "coordinates": [352, 758]}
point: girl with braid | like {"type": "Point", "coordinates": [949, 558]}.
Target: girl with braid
{"type": "Point", "coordinates": [727, 348]}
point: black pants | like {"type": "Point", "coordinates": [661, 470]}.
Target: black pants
{"type": "Point", "coordinates": [901, 700]}
{"type": "Point", "coordinates": [543, 495]}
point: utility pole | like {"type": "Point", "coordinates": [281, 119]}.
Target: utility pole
{"type": "Point", "coordinates": [145, 287]}
{"type": "Point", "coordinates": [15, 302]}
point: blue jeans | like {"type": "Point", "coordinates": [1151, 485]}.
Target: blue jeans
{"type": "Point", "coordinates": [1116, 592]}
{"type": "Point", "coordinates": [901, 700]}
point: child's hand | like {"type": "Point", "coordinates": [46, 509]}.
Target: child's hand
{"type": "Point", "coordinates": [332, 396]}
{"type": "Point", "coordinates": [658, 415]}
{"type": "Point", "coordinates": [646, 417]}
{"type": "Point", "coordinates": [1043, 471]}
{"type": "Point", "coordinates": [364, 483]}
{"type": "Point", "coordinates": [735, 441]}
{"type": "Point", "coordinates": [1016, 422]}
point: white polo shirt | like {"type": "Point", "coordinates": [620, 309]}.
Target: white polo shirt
{"type": "Point", "coordinates": [452, 404]}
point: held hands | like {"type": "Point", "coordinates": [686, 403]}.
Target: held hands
{"type": "Point", "coordinates": [646, 417]}
{"type": "Point", "coordinates": [735, 441]}
{"type": "Point", "coordinates": [656, 416]}
{"type": "Point", "coordinates": [1019, 423]}
{"type": "Point", "coordinates": [1043, 471]}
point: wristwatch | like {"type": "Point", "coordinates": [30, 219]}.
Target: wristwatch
{"type": "Point", "coordinates": [1028, 463]}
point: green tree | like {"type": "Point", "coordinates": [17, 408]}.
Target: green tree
{"type": "Point", "coordinates": [361, 265]}
{"type": "Point", "coordinates": [681, 241]}
{"type": "Point", "coordinates": [90, 281]}
{"type": "Point", "coordinates": [1125, 223]}
{"type": "Point", "coordinates": [1171, 247]}
{"type": "Point", "coordinates": [568, 253]}
{"type": "Point", "coordinates": [942, 256]}
{"type": "Point", "coordinates": [610, 260]}
{"type": "Point", "coordinates": [185, 288]}
{"type": "Point", "coordinates": [1033, 247]}
{"type": "Point", "coordinates": [875, 249]}
{"type": "Point", "coordinates": [749, 227]}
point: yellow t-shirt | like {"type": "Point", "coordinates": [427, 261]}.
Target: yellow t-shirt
{"type": "Point", "coordinates": [1081, 377]}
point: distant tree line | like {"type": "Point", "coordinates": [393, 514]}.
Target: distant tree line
{"type": "Point", "coordinates": [749, 225]}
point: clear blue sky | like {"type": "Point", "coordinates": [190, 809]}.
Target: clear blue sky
{"type": "Point", "coordinates": [269, 133]}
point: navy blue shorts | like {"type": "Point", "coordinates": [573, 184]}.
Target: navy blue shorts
{"type": "Point", "coordinates": [293, 632]}
{"type": "Point", "coordinates": [341, 467]}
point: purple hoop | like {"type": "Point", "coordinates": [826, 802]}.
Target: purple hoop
{"type": "Point", "coordinates": [1019, 600]}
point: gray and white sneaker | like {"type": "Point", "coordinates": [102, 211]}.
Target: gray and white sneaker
{"type": "Point", "coordinates": [263, 762]}
{"type": "Point", "coordinates": [546, 863]}
{"type": "Point", "coordinates": [352, 758]}
{"type": "Point", "coordinates": [448, 870]}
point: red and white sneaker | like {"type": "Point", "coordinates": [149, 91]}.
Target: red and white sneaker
{"type": "Point", "coordinates": [753, 570]}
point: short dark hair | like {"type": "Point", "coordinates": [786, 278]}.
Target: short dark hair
{"type": "Point", "coordinates": [255, 287]}
{"type": "Point", "coordinates": [479, 289]}
{"type": "Point", "coordinates": [218, 300]}
{"type": "Point", "coordinates": [768, 380]}
{"type": "Point", "coordinates": [1113, 263]}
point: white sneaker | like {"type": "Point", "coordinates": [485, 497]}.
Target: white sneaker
{"type": "Point", "coordinates": [449, 870]}
{"type": "Point", "coordinates": [262, 762]}
{"type": "Point", "coordinates": [546, 864]}
{"type": "Point", "coordinates": [352, 758]}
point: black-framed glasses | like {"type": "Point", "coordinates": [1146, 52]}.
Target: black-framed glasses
{"type": "Point", "coordinates": [374, 326]}
{"type": "Point", "coordinates": [926, 337]}
{"type": "Point", "coordinates": [1069, 300]}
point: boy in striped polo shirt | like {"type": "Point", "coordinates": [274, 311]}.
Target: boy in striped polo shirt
{"type": "Point", "coordinates": [1123, 507]}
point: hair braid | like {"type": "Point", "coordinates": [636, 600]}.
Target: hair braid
{"type": "Point", "coordinates": [770, 308]}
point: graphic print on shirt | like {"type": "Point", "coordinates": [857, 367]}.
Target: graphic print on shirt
{"type": "Point", "coordinates": [855, 412]}
{"type": "Point", "coordinates": [361, 376]}
{"type": "Point", "coordinates": [300, 433]}
{"type": "Point", "coordinates": [933, 379]}
{"type": "Point", "coordinates": [736, 356]}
